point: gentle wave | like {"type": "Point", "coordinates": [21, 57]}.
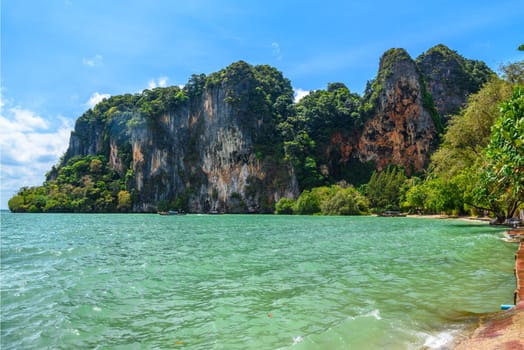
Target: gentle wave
{"type": "Point", "coordinates": [245, 282]}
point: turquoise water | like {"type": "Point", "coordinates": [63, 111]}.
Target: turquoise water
{"type": "Point", "coordinates": [245, 282]}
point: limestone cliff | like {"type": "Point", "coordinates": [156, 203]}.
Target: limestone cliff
{"type": "Point", "coordinates": [403, 111]}
{"type": "Point", "coordinates": [201, 152]}
{"type": "Point", "coordinates": [401, 130]}
{"type": "Point", "coordinates": [450, 78]}
{"type": "Point", "coordinates": [235, 142]}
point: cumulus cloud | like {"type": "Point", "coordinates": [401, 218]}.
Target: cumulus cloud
{"type": "Point", "coordinates": [95, 98]}
{"type": "Point", "coordinates": [94, 61]}
{"type": "Point", "coordinates": [300, 93]}
{"type": "Point", "coordinates": [22, 120]}
{"type": "Point", "coordinates": [30, 147]}
{"type": "Point", "coordinates": [159, 82]}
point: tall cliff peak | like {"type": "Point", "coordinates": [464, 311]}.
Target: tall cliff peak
{"type": "Point", "coordinates": [391, 61]}
{"type": "Point", "coordinates": [401, 129]}
{"type": "Point", "coordinates": [392, 56]}
{"type": "Point", "coordinates": [450, 78]}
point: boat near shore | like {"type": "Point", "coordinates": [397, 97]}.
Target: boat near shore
{"type": "Point", "coordinates": [171, 212]}
{"type": "Point", "coordinates": [392, 214]}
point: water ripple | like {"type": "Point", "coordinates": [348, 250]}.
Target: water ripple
{"type": "Point", "coordinates": [244, 282]}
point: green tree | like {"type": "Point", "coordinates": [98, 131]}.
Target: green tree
{"type": "Point", "coordinates": [345, 201]}
{"type": "Point", "coordinates": [308, 203]}
{"type": "Point", "coordinates": [330, 200]}
{"type": "Point", "coordinates": [96, 166]}
{"type": "Point", "coordinates": [124, 200]}
{"type": "Point", "coordinates": [285, 206]}
{"type": "Point", "coordinates": [501, 187]}
{"type": "Point", "coordinates": [468, 133]}
{"type": "Point", "coordinates": [415, 198]}
{"type": "Point", "coordinates": [385, 189]}
{"type": "Point", "coordinates": [514, 72]}
{"type": "Point", "coordinates": [16, 203]}
{"type": "Point", "coordinates": [195, 85]}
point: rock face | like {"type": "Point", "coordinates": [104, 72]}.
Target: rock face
{"type": "Point", "coordinates": [411, 102]}
{"type": "Point", "coordinates": [401, 130]}
{"type": "Point", "coordinates": [219, 144]}
{"type": "Point", "coordinates": [450, 78]}
{"type": "Point", "coordinates": [201, 154]}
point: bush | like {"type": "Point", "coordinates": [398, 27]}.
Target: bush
{"type": "Point", "coordinates": [308, 203]}
{"type": "Point", "coordinates": [332, 200]}
{"type": "Point", "coordinates": [285, 206]}
{"type": "Point", "coordinates": [346, 201]}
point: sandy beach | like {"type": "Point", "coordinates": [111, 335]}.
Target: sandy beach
{"type": "Point", "coordinates": [503, 330]}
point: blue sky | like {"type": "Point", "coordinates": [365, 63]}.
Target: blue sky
{"type": "Point", "coordinates": [59, 57]}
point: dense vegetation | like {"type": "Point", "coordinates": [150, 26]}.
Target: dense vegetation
{"type": "Point", "coordinates": [308, 131]}
{"type": "Point", "coordinates": [333, 200]}
{"type": "Point", "coordinates": [82, 185]}
{"type": "Point", "coordinates": [479, 166]}
{"type": "Point", "coordinates": [469, 74]}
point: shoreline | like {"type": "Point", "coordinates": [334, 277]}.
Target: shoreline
{"type": "Point", "coordinates": [503, 329]}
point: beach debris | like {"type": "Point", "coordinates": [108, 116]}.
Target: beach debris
{"type": "Point", "coordinates": [506, 306]}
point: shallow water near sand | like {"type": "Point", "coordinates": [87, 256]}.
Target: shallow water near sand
{"type": "Point", "coordinates": [246, 281]}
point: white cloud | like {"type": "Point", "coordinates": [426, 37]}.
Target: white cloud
{"type": "Point", "coordinates": [23, 144]}
{"type": "Point", "coordinates": [95, 98]}
{"type": "Point", "coordinates": [159, 82]}
{"type": "Point", "coordinates": [276, 50]}
{"type": "Point", "coordinates": [30, 147]}
{"type": "Point", "coordinates": [22, 120]}
{"type": "Point", "coordinates": [94, 61]}
{"type": "Point", "coordinates": [300, 93]}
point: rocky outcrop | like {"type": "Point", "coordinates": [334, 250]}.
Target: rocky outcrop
{"type": "Point", "coordinates": [410, 103]}
{"type": "Point", "coordinates": [200, 156]}
{"type": "Point", "coordinates": [219, 143]}
{"type": "Point", "coordinates": [450, 78]}
{"type": "Point", "coordinates": [401, 130]}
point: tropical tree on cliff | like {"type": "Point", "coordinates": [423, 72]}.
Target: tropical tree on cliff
{"type": "Point", "coordinates": [307, 133]}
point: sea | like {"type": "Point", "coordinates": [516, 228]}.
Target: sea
{"type": "Point", "coordinates": [146, 281]}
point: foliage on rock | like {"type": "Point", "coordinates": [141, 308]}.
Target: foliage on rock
{"type": "Point", "coordinates": [234, 141]}
{"type": "Point", "coordinates": [82, 185]}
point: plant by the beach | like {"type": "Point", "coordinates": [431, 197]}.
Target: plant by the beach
{"type": "Point", "coordinates": [502, 181]}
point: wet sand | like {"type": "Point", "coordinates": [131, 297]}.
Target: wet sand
{"type": "Point", "coordinates": [503, 330]}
